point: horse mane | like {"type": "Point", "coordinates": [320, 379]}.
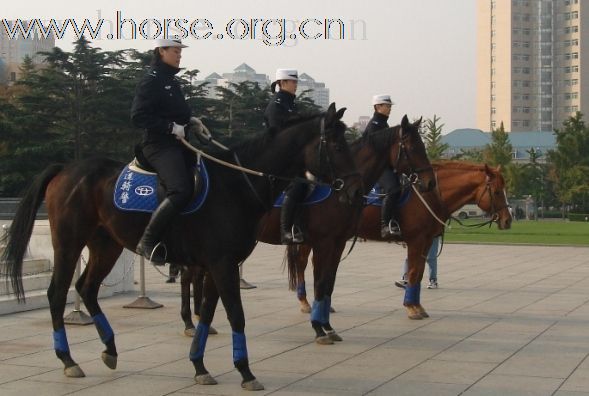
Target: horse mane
{"type": "Point", "coordinates": [380, 140]}
{"type": "Point", "coordinates": [459, 165]}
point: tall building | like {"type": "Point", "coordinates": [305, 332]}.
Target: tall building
{"type": "Point", "coordinates": [13, 52]}
{"type": "Point", "coordinates": [317, 91]}
{"type": "Point", "coordinates": [532, 57]}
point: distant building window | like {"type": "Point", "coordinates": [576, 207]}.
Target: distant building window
{"type": "Point", "coordinates": [493, 110]}
{"type": "Point", "coordinates": [493, 124]}
{"type": "Point", "coordinates": [575, 55]}
{"type": "Point", "coordinates": [13, 76]}
{"type": "Point", "coordinates": [526, 123]}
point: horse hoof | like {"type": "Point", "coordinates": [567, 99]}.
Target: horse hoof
{"type": "Point", "coordinates": [334, 336]}
{"type": "Point", "coordinates": [413, 313]}
{"type": "Point", "coordinates": [205, 379]}
{"type": "Point", "coordinates": [332, 310]}
{"type": "Point", "coordinates": [305, 309]}
{"type": "Point", "coordinates": [109, 360]}
{"type": "Point", "coordinates": [190, 332]}
{"type": "Point", "coordinates": [253, 385]}
{"type": "Point", "coordinates": [324, 340]}
{"type": "Point", "coordinates": [74, 372]}
{"type": "Point", "coordinates": [423, 313]}
{"type": "Point", "coordinates": [212, 330]}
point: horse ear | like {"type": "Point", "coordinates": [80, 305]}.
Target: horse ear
{"type": "Point", "coordinates": [417, 123]}
{"type": "Point", "coordinates": [330, 114]}
{"type": "Point", "coordinates": [405, 122]}
{"type": "Point", "coordinates": [340, 113]}
{"type": "Point", "coordinates": [488, 170]}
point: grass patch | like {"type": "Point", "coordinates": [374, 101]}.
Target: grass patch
{"type": "Point", "coordinates": [550, 232]}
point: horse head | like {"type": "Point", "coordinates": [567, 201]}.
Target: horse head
{"type": "Point", "coordinates": [330, 158]}
{"type": "Point", "coordinates": [492, 198]}
{"type": "Point", "coordinates": [410, 156]}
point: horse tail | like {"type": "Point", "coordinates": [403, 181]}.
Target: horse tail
{"type": "Point", "coordinates": [21, 229]}
{"type": "Point", "coordinates": [291, 256]}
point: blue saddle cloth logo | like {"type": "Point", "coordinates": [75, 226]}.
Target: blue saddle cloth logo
{"type": "Point", "coordinates": [137, 192]}
{"type": "Point", "coordinates": [375, 197]}
{"type": "Point", "coordinates": [319, 194]}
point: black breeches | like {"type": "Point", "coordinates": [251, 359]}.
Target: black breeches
{"type": "Point", "coordinates": [172, 164]}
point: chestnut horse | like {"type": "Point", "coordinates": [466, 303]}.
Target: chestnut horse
{"type": "Point", "coordinates": [459, 183]}
{"type": "Point", "coordinates": [329, 224]}
{"type": "Point", "coordinates": [220, 235]}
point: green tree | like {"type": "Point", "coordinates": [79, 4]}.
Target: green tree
{"type": "Point", "coordinates": [570, 161]}
{"type": "Point", "coordinates": [498, 152]}
{"type": "Point", "coordinates": [473, 155]}
{"type": "Point", "coordinates": [432, 138]}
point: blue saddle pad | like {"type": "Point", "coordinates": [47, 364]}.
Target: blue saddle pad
{"type": "Point", "coordinates": [137, 192]}
{"type": "Point", "coordinates": [375, 199]}
{"type": "Point", "coordinates": [319, 194]}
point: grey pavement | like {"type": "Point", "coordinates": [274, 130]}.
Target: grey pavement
{"type": "Point", "coordinates": [506, 320]}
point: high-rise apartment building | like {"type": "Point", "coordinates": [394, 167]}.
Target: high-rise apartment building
{"type": "Point", "coordinates": [532, 63]}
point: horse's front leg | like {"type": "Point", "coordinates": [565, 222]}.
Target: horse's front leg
{"type": "Point", "coordinates": [326, 256]}
{"type": "Point", "coordinates": [226, 278]}
{"type": "Point", "coordinates": [416, 260]}
{"type": "Point", "coordinates": [210, 298]}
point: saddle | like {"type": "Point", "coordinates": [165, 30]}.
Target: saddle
{"type": "Point", "coordinates": [139, 189]}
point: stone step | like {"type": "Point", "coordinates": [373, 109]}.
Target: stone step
{"type": "Point", "coordinates": [34, 300]}
{"type": "Point", "coordinates": [30, 283]}
{"type": "Point", "coordinates": [36, 266]}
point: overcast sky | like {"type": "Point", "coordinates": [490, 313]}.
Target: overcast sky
{"type": "Point", "coordinates": [421, 52]}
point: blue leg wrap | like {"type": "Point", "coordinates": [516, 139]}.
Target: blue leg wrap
{"type": "Point", "coordinates": [60, 341]}
{"type": "Point", "coordinates": [412, 294]}
{"type": "Point", "coordinates": [320, 310]}
{"type": "Point", "coordinates": [239, 347]}
{"type": "Point", "coordinates": [301, 291]}
{"type": "Point", "coordinates": [103, 327]}
{"type": "Point", "coordinates": [326, 307]}
{"type": "Point", "coordinates": [199, 342]}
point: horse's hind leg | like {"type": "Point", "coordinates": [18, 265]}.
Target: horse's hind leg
{"type": "Point", "coordinates": [65, 260]}
{"type": "Point", "coordinates": [104, 252]}
{"type": "Point", "coordinates": [302, 259]}
{"type": "Point", "coordinates": [186, 277]}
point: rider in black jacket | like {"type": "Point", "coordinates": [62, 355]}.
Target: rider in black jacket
{"type": "Point", "coordinates": [279, 110]}
{"type": "Point", "coordinates": [389, 181]}
{"type": "Point", "coordinates": [160, 110]}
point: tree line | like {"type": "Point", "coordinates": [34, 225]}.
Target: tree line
{"type": "Point", "coordinates": [78, 105]}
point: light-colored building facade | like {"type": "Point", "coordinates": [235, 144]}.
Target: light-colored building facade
{"type": "Point", "coordinates": [317, 90]}
{"type": "Point", "coordinates": [532, 63]}
{"type": "Point", "coordinates": [14, 50]}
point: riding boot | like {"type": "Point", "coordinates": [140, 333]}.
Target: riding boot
{"type": "Point", "coordinates": [149, 245]}
{"type": "Point", "coordinates": [388, 225]}
{"type": "Point", "coordinates": [290, 233]}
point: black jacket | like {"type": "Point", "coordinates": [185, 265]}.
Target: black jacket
{"type": "Point", "coordinates": [158, 103]}
{"type": "Point", "coordinates": [376, 123]}
{"type": "Point", "coordinates": [279, 110]}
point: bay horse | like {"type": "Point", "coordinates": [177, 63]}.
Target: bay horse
{"type": "Point", "coordinates": [79, 200]}
{"type": "Point", "coordinates": [459, 183]}
{"type": "Point", "coordinates": [327, 225]}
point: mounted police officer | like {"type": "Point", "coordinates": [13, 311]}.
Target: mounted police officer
{"type": "Point", "coordinates": [159, 108]}
{"type": "Point", "coordinates": [279, 110]}
{"type": "Point", "coordinates": [389, 181]}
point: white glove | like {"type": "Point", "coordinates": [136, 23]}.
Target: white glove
{"type": "Point", "coordinates": [178, 131]}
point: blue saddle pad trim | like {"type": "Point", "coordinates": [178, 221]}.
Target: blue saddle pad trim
{"type": "Point", "coordinates": [137, 192]}
{"type": "Point", "coordinates": [374, 198]}
{"type": "Point", "coordinates": [319, 194]}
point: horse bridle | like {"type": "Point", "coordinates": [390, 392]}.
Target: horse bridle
{"type": "Point", "coordinates": [337, 183]}
{"type": "Point", "coordinates": [414, 173]}
{"type": "Point", "coordinates": [494, 212]}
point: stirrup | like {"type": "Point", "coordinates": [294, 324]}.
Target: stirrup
{"type": "Point", "coordinates": [163, 245]}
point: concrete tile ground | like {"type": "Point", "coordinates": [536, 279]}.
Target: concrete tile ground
{"type": "Point", "coordinates": [507, 320]}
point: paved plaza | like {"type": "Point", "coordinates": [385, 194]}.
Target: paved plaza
{"type": "Point", "coordinates": [506, 320]}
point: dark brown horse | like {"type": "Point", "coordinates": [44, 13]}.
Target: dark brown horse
{"type": "Point", "coordinates": [459, 183]}
{"type": "Point", "coordinates": [329, 224]}
{"type": "Point", "coordinates": [79, 200]}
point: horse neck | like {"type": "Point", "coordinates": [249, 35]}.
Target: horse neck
{"type": "Point", "coordinates": [370, 162]}
{"type": "Point", "coordinates": [459, 187]}
{"type": "Point", "coordinates": [280, 155]}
